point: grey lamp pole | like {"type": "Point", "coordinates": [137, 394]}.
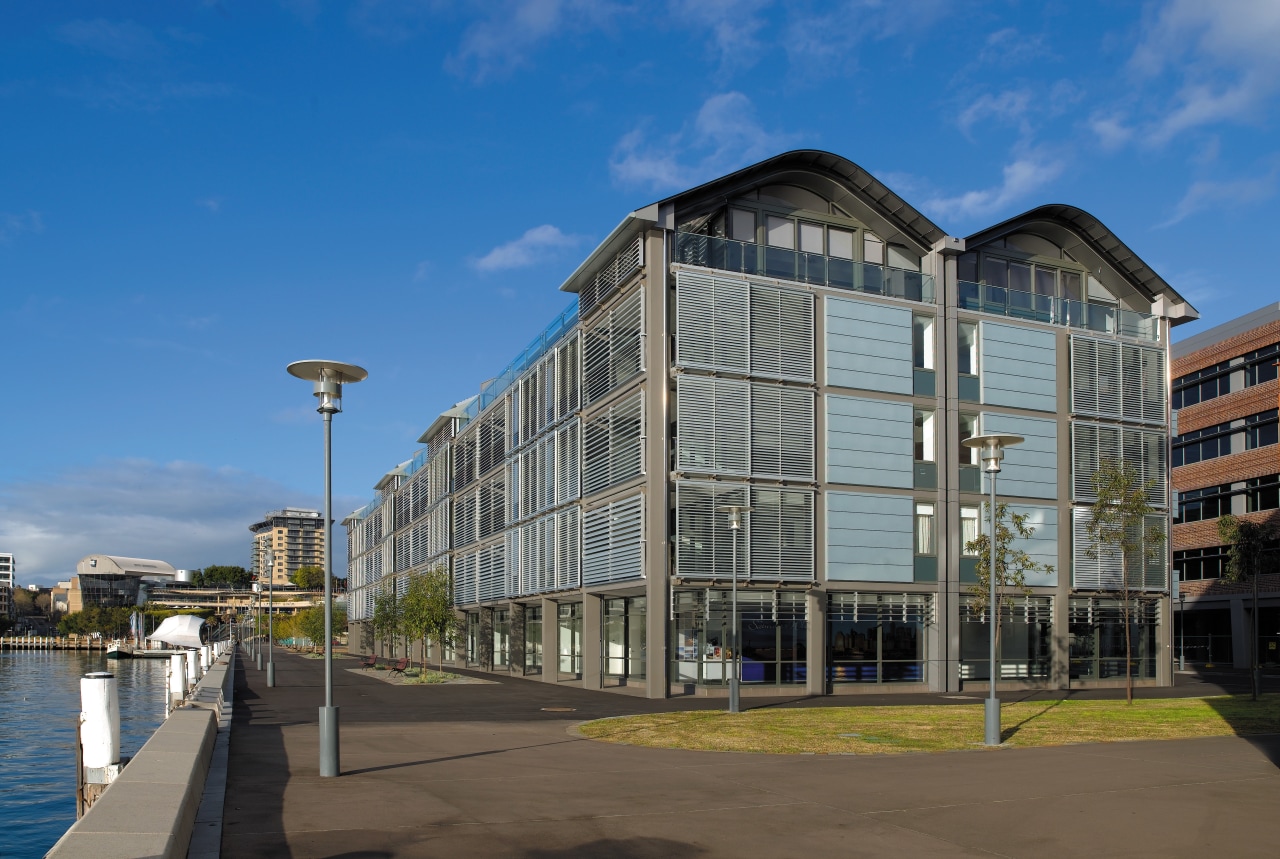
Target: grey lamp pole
{"type": "Point", "coordinates": [257, 624]}
{"type": "Point", "coordinates": [735, 512]}
{"type": "Point", "coordinates": [271, 574]}
{"type": "Point", "coordinates": [329, 377]}
{"type": "Point", "coordinates": [991, 448]}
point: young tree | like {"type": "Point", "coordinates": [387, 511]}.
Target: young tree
{"type": "Point", "coordinates": [1012, 566]}
{"type": "Point", "coordinates": [1246, 544]}
{"type": "Point", "coordinates": [387, 618]}
{"type": "Point", "coordinates": [310, 623]}
{"type": "Point", "coordinates": [427, 611]}
{"type": "Point", "coordinates": [1117, 529]}
{"type": "Point", "coordinates": [222, 577]}
{"type": "Point", "coordinates": [309, 577]}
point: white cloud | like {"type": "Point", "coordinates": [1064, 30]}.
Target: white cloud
{"type": "Point", "coordinates": [187, 514]}
{"type": "Point", "coordinates": [1009, 107]}
{"type": "Point", "coordinates": [535, 246]}
{"type": "Point", "coordinates": [512, 29]}
{"type": "Point", "coordinates": [724, 136]}
{"type": "Point", "coordinates": [1030, 171]}
{"type": "Point", "coordinates": [731, 24]}
{"type": "Point", "coordinates": [13, 225]}
{"type": "Point", "coordinates": [213, 204]}
{"type": "Point", "coordinates": [1225, 54]}
{"type": "Point", "coordinates": [1206, 194]}
{"type": "Point", "coordinates": [119, 40]}
{"type": "Point", "coordinates": [421, 271]}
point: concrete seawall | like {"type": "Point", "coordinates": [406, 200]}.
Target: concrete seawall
{"type": "Point", "coordinates": [151, 809]}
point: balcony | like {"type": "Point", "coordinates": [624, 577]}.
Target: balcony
{"type": "Point", "coordinates": [1058, 311]}
{"type": "Point", "coordinates": [814, 269]}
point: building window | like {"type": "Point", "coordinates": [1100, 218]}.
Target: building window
{"type": "Point", "coordinates": [925, 445]}
{"type": "Point", "coordinates": [967, 425]}
{"type": "Point", "coordinates": [1196, 564]}
{"type": "Point", "coordinates": [967, 349]}
{"type": "Point", "coordinates": [1196, 505]}
{"type": "Point", "coordinates": [1262, 493]}
{"type": "Point", "coordinates": [1097, 634]}
{"type": "Point", "coordinates": [1260, 430]}
{"type": "Point", "coordinates": [742, 225]}
{"type": "Point", "coordinates": [922, 341]}
{"type": "Point", "coordinates": [1260, 365]}
{"type": "Point", "coordinates": [877, 638]}
{"type": "Point", "coordinates": [925, 529]}
{"type": "Point", "coordinates": [1208, 443]}
{"type": "Point", "coordinates": [625, 635]}
{"type": "Point", "coordinates": [968, 530]}
{"type": "Point", "coordinates": [1206, 384]}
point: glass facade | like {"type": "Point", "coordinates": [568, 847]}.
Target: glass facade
{"type": "Point", "coordinates": [1024, 640]}
{"type": "Point", "coordinates": [501, 638]}
{"type": "Point", "coordinates": [624, 637]}
{"type": "Point", "coordinates": [877, 638]}
{"type": "Point", "coordinates": [1098, 638]}
{"type": "Point", "coordinates": [533, 640]}
{"type": "Point", "coordinates": [773, 625]}
{"type": "Point", "coordinates": [569, 637]}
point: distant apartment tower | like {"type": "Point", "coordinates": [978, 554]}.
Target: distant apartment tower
{"type": "Point", "coordinates": [1225, 460]}
{"type": "Point", "coordinates": [295, 536]}
{"type": "Point", "coordinates": [7, 568]}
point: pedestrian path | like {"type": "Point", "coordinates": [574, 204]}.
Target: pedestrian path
{"type": "Point", "coordinates": [495, 770]}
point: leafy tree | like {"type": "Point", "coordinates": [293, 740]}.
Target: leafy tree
{"type": "Point", "coordinates": [222, 577]}
{"type": "Point", "coordinates": [1246, 544]}
{"type": "Point", "coordinates": [309, 577]}
{"type": "Point", "coordinates": [1012, 567]}
{"type": "Point", "coordinates": [1117, 529]}
{"type": "Point", "coordinates": [24, 602]}
{"type": "Point", "coordinates": [310, 623]}
{"type": "Point", "coordinates": [387, 617]}
{"type": "Point", "coordinates": [427, 611]}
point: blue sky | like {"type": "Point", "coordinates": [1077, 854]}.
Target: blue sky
{"type": "Point", "coordinates": [196, 194]}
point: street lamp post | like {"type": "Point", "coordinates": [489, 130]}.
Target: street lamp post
{"type": "Point", "coordinates": [257, 624]}
{"type": "Point", "coordinates": [329, 377]}
{"type": "Point", "coordinates": [991, 448]}
{"type": "Point", "coordinates": [270, 561]}
{"type": "Point", "coordinates": [735, 512]}
{"type": "Point", "coordinates": [1182, 631]}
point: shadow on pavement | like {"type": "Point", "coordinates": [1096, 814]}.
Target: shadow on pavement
{"type": "Point", "coordinates": [486, 753]}
{"type": "Point", "coordinates": [629, 848]}
{"type": "Point", "coordinates": [1257, 722]}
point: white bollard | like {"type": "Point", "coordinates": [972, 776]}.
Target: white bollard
{"type": "Point", "coordinates": [193, 668]}
{"type": "Point", "coordinates": [177, 678]}
{"type": "Point", "coordinates": [204, 658]}
{"type": "Point", "coordinates": [99, 720]}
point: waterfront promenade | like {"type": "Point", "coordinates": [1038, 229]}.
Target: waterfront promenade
{"type": "Point", "coordinates": [494, 770]}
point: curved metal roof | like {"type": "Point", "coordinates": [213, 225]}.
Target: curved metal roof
{"type": "Point", "coordinates": [897, 211]}
{"type": "Point", "coordinates": [1093, 234]}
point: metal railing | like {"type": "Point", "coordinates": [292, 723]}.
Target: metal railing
{"type": "Point", "coordinates": [493, 389]}
{"type": "Point", "coordinates": [1017, 304]}
{"type": "Point", "coordinates": [816, 269]}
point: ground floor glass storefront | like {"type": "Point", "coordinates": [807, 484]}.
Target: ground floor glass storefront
{"type": "Point", "coordinates": [501, 638]}
{"type": "Point", "coordinates": [569, 638]}
{"type": "Point", "coordinates": [1025, 639]}
{"type": "Point", "coordinates": [533, 640]}
{"type": "Point", "coordinates": [1097, 627]}
{"type": "Point", "coordinates": [773, 626]}
{"type": "Point", "coordinates": [624, 638]}
{"type": "Point", "coordinates": [878, 638]}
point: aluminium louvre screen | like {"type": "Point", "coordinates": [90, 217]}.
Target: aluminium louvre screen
{"type": "Point", "coordinates": [1147, 572]}
{"type": "Point", "coordinates": [1146, 450]}
{"type": "Point", "coordinates": [1118, 380]}
{"type": "Point", "coordinates": [613, 542]}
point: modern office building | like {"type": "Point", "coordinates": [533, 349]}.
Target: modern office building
{"type": "Point", "coordinates": [8, 570]}
{"type": "Point", "coordinates": [1225, 460]}
{"type": "Point", "coordinates": [296, 539]}
{"type": "Point", "coordinates": [110, 581]}
{"type": "Point", "coordinates": [796, 338]}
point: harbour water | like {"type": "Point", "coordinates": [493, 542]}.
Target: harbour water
{"type": "Point", "coordinates": [39, 708]}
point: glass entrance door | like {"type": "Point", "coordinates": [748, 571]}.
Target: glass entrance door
{"type": "Point", "coordinates": [569, 638]}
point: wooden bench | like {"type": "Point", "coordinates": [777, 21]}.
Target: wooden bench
{"type": "Point", "coordinates": [368, 662]}
{"type": "Point", "coordinates": [397, 667]}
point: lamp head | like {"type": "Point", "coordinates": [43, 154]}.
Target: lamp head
{"type": "Point", "coordinates": [735, 512]}
{"type": "Point", "coordinates": [329, 377]}
{"type": "Point", "coordinates": [991, 448]}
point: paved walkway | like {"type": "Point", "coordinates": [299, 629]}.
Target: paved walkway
{"type": "Point", "coordinates": [490, 771]}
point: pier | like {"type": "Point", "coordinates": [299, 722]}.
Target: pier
{"type": "Point", "coordinates": [53, 642]}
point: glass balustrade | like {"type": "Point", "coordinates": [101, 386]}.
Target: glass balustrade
{"type": "Point", "coordinates": [816, 269]}
{"type": "Point", "coordinates": [1105, 319]}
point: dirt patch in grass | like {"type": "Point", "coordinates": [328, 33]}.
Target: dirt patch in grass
{"type": "Point", "coordinates": [895, 730]}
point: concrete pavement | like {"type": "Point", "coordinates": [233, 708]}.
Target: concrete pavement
{"type": "Point", "coordinates": [493, 770]}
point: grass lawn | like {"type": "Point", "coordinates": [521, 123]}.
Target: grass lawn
{"type": "Point", "coordinates": [894, 730]}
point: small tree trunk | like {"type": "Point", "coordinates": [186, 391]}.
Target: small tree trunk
{"type": "Point", "coordinates": [1253, 645]}
{"type": "Point", "coordinates": [1128, 654]}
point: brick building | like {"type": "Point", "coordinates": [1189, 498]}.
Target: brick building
{"type": "Point", "coordinates": [1225, 460]}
